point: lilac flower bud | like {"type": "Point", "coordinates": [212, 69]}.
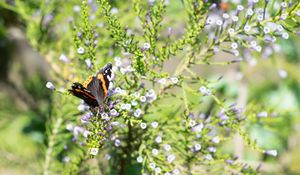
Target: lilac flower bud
{"type": "Point", "coordinates": [215, 139]}
{"type": "Point", "coordinates": [64, 58]}
{"type": "Point", "coordinates": [211, 149]}
{"type": "Point", "coordinates": [271, 152]}
{"type": "Point", "coordinates": [50, 85]}
{"type": "Point", "coordinates": [171, 158]}
{"type": "Point", "coordinates": [262, 114]}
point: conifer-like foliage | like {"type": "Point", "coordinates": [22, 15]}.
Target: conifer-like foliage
{"type": "Point", "coordinates": [165, 113]}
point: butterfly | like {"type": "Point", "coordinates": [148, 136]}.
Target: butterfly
{"type": "Point", "coordinates": [95, 89]}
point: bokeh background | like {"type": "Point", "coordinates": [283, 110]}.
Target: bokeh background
{"type": "Point", "coordinates": [33, 34]}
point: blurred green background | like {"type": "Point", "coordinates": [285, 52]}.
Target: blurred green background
{"type": "Point", "coordinates": [25, 102]}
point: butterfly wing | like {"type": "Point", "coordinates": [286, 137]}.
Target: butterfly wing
{"type": "Point", "coordinates": [80, 91]}
{"type": "Point", "coordinates": [100, 83]}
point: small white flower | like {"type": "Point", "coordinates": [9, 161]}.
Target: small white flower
{"type": "Point", "coordinates": [88, 62]}
{"type": "Point", "coordinates": [128, 106]}
{"type": "Point", "coordinates": [279, 28]}
{"type": "Point", "coordinates": [171, 158]}
{"type": "Point", "coordinates": [76, 8]}
{"type": "Point", "coordinates": [162, 81]}
{"type": "Point", "coordinates": [118, 63]}
{"type": "Point", "coordinates": [235, 52]}
{"type": "Point", "coordinates": [231, 31]}
{"type": "Point", "coordinates": [285, 35]}
{"type": "Point", "coordinates": [267, 30]}
{"type": "Point", "coordinates": [143, 125]}
{"type": "Point", "coordinates": [117, 142]}
{"type": "Point", "coordinates": [258, 48]}
{"type": "Point", "coordinates": [94, 151]}
{"type": "Point", "coordinates": [154, 151]}
{"type": "Point", "coordinates": [50, 85]}
{"type": "Point", "coordinates": [271, 152]}
{"type": "Point", "coordinates": [137, 113]}
{"type": "Point", "coordinates": [123, 106]}
{"type": "Point", "coordinates": [69, 127]}
{"type": "Point", "coordinates": [192, 123]}
{"type": "Point", "coordinates": [250, 12]}
{"type": "Point", "coordinates": [240, 7]}
{"type": "Point", "coordinates": [215, 139]}
{"type": "Point", "coordinates": [255, 1]}
{"type": "Point", "coordinates": [174, 80]}
{"type": "Point", "coordinates": [284, 16]}
{"type": "Point", "coordinates": [114, 10]}
{"type": "Point", "coordinates": [139, 159]}
{"type": "Point", "coordinates": [298, 13]}
{"type": "Point", "coordinates": [235, 18]}
{"type": "Point", "coordinates": [282, 73]}
{"type": "Point", "coordinates": [147, 46]}
{"type": "Point", "coordinates": [107, 156]}
{"type": "Point", "coordinates": [211, 149]}
{"type": "Point", "coordinates": [234, 45]}
{"type": "Point", "coordinates": [203, 89]}
{"type": "Point", "coordinates": [86, 133]}
{"type": "Point", "coordinates": [167, 147]}
{"type": "Point", "coordinates": [134, 103]}
{"type": "Point", "coordinates": [154, 124]}
{"type": "Point", "coordinates": [219, 22]}
{"type": "Point", "coordinates": [152, 165]}
{"type": "Point", "coordinates": [198, 128]}
{"type": "Point", "coordinates": [283, 4]}
{"type": "Point", "coordinates": [225, 16]}
{"type": "Point", "coordinates": [80, 50]}
{"type": "Point", "coordinates": [143, 99]}
{"type": "Point", "coordinates": [252, 62]}
{"type": "Point", "coordinates": [260, 17]}
{"type": "Point", "coordinates": [209, 21]}
{"type": "Point", "coordinates": [64, 58]}
{"type": "Point", "coordinates": [158, 139]}
{"type": "Point", "coordinates": [157, 170]}
{"type": "Point", "coordinates": [136, 94]}
{"type": "Point", "coordinates": [208, 157]}
{"type": "Point", "coordinates": [247, 28]}
{"type": "Point", "coordinates": [113, 112]}
{"type": "Point", "coordinates": [253, 43]}
{"type": "Point", "coordinates": [197, 147]}
{"type": "Point", "coordinates": [66, 159]}
{"type": "Point", "coordinates": [116, 123]}
{"type": "Point", "coordinates": [123, 92]}
{"type": "Point", "coordinates": [262, 114]}
{"type": "Point", "coordinates": [176, 172]}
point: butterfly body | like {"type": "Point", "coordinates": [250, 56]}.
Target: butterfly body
{"type": "Point", "coordinates": [95, 89]}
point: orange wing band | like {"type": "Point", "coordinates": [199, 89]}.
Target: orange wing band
{"type": "Point", "coordinates": [100, 76]}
